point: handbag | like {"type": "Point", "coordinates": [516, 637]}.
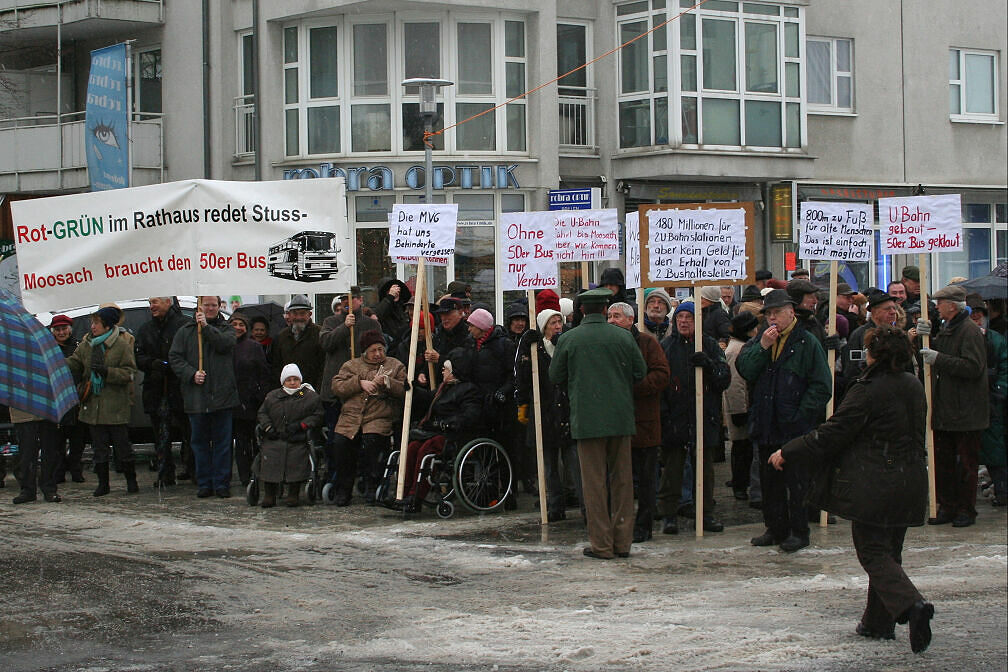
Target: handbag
{"type": "Point", "coordinates": [84, 389]}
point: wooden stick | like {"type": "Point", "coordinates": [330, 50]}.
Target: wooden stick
{"type": "Point", "coordinates": [537, 415]}
{"type": "Point", "coordinates": [640, 308]}
{"type": "Point", "coordinates": [922, 263]}
{"type": "Point", "coordinates": [584, 276]}
{"type": "Point", "coordinates": [831, 357]}
{"type": "Point", "coordinates": [199, 346]}
{"type": "Point", "coordinates": [698, 498]}
{"type": "Point", "coordinates": [410, 373]}
{"type": "Point", "coordinates": [351, 338]}
{"type": "Point", "coordinates": [428, 340]}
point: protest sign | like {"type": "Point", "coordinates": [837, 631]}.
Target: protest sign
{"type": "Point", "coordinates": [528, 242]}
{"type": "Point", "coordinates": [836, 231]}
{"type": "Point", "coordinates": [633, 265]}
{"type": "Point", "coordinates": [696, 245]}
{"type": "Point", "coordinates": [183, 238]}
{"type": "Point", "coordinates": [106, 117]}
{"type": "Point", "coordinates": [587, 235]}
{"type": "Point", "coordinates": [921, 224]}
{"type": "Point", "coordinates": [420, 229]}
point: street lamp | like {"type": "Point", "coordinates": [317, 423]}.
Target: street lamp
{"type": "Point", "coordinates": [428, 110]}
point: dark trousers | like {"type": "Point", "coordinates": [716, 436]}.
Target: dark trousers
{"type": "Point", "coordinates": [38, 436]}
{"type": "Point", "coordinates": [784, 511]}
{"type": "Point", "coordinates": [670, 490]}
{"type": "Point", "coordinates": [363, 452]}
{"type": "Point", "coordinates": [73, 436]}
{"type": "Point", "coordinates": [890, 591]}
{"type": "Point", "coordinates": [332, 413]}
{"type": "Point", "coordinates": [245, 448]}
{"type": "Point", "coordinates": [559, 458]}
{"type": "Point", "coordinates": [607, 484]}
{"type": "Point", "coordinates": [645, 471]}
{"type": "Point", "coordinates": [211, 444]}
{"type": "Point", "coordinates": [957, 458]}
{"type": "Point", "coordinates": [741, 462]}
{"type": "Point", "coordinates": [117, 436]}
{"type": "Point", "coordinates": [177, 428]}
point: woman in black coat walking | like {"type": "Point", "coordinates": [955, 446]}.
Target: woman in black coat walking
{"type": "Point", "coordinates": [252, 378]}
{"type": "Point", "coordinates": [873, 448]}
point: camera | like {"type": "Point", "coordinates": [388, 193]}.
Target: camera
{"type": "Point", "coordinates": [856, 355]}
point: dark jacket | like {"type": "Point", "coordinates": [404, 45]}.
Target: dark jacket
{"type": "Point", "coordinates": [993, 446]}
{"type": "Point", "coordinates": [454, 410]}
{"type": "Point", "coordinates": [219, 391]}
{"type": "Point", "coordinates": [306, 352]}
{"type": "Point", "coordinates": [873, 447]}
{"type": "Point", "coordinates": [153, 342]}
{"type": "Point", "coordinates": [678, 403]}
{"type": "Point", "coordinates": [716, 323]}
{"type": "Point", "coordinates": [251, 376]}
{"type": "Point", "coordinates": [493, 373]}
{"type": "Point", "coordinates": [334, 338]}
{"type": "Point", "coordinates": [515, 310]}
{"type": "Point", "coordinates": [391, 312]}
{"type": "Point", "coordinates": [812, 325]}
{"type": "Point", "coordinates": [960, 377]}
{"type": "Point", "coordinates": [648, 392]}
{"type": "Point", "coordinates": [284, 456]}
{"type": "Point", "coordinates": [553, 402]}
{"type": "Point", "coordinates": [446, 340]}
{"type": "Point", "coordinates": [788, 396]}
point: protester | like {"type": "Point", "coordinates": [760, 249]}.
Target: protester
{"type": "Point", "coordinates": [260, 334]}
{"type": "Point", "coordinates": [883, 313]}
{"type": "Point", "coordinates": [612, 279]}
{"type": "Point", "coordinates": [791, 383]}
{"type": "Point", "coordinates": [678, 415]}
{"type": "Point", "coordinates": [452, 333]}
{"type": "Point", "coordinates": [209, 393]}
{"type": "Point", "coordinates": [162, 395]}
{"type": "Point", "coordinates": [897, 291]}
{"type": "Point", "coordinates": [845, 306]}
{"type": "Point", "coordinates": [425, 323]}
{"type": "Point", "coordinates": [993, 447]}
{"type": "Point", "coordinates": [104, 365]}
{"type": "Point", "coordinates": [874, 445]}
{"type": "Point", "coordinates": [73, 433]}
{"type": "Point", "coordinates": [517, 320]}
{"type": "Point", "coordinates": [647, 418]}
{"type": "Point", "coordinates": [252, 380]}
{"type": "Point", "coordinates": [752, 301]}
{"type": "Point", "coordinates": [286, 416]}
{"type": "Point", "coordinates": [800, 274]}
{"type": "Point", "coordinates": [958, 359]}
{"type": "Point", "coordinates": [600, 363]}
{"type": "Point", "coordinates": [657, 308]}
{"type": "Point", "coordinates": [37, 436]}
{"type": "Point", "coordinates": [299, 343]}
{"type": "Point", "coordinates": [762, 276]}
{"type": "Point", "coordinates": [716, 322]}
{"type": "Point", "coordinates": [728, 301]}
{"type": "Point", "coordinates": [371, 389]}
{"type": "Point", "coordinates": [736, 406]}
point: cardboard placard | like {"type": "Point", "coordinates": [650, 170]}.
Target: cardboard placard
{"type": "Point", "coordinates": [921, 224]}
{"type": "Point", "coordinates": [587, 235]}
{"type": "Point", "coordinates": [528, 243]}
{"type": "Point", "coordinates": [633, 258]}
{"type": "Point", "coordinates": [426, 229]}
{"type": "Point", "coordinates": [696, 245]}
{"type": "Point", "coordinates": [831, 231]}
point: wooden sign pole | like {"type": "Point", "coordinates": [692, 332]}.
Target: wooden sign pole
{"type": "Point", "coordinates": [537, 415]}
{"type": "Point", "coordinates": [831, 358]}
{"type": "Point", "coordinates": [410, 373]}
{"type": "Point", "coordinates": [698, 471]}
{"type": "Point", "coordinates": [584, 276]}
{"type": "Point", "coordinates": [922, 263]}
{"type": "Point", "coordinates": [428, 340]}
{"type": "Point", "coordinates": [199, 346]}
{"type": "Point", "coordinates": [640, 308]}
{"type": "Point", "coordinates": [351, 334]}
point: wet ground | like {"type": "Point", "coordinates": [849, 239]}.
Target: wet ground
{"type": "Point", "coordinates": [164, 581]}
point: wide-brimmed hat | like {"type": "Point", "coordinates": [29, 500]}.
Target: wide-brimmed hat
{"type": "Point", "coordinates": [448, 304]}
{"type": "Point", "coordinates": [778, 298]}
{"type": "Point", "coordinates": [843, 289]}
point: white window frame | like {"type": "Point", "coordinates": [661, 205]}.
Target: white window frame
{"type": "Point", "coordinates": [832, 107]}
{"type": "Point", "coordinates": [964, 116]}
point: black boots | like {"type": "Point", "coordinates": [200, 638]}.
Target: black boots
{"type": "Point", "coordinates": [102, 470]}
{"type": "Point", "coordinates": [24, 497]}
{"type": "Point", "coordinates": [269, 496]}
{"type": "Point", "coordinates": [919, 620]}
{"type": "Point", "coordinates": [293, 497]}
{"type": "Point", "coordinates": [129, 471]}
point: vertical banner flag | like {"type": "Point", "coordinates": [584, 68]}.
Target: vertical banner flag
{"type": "Point", "coordinates": [696, 245]}
{"type": "Point", "coordinates": [587, 235]}
{"type": "Point", "coordinates": [423, 229]}
{"type": "Point", "coordinates": [921, 224]}
{"type": "Point", "coordinates": [106, 120]}
{"type": "Point", "coordinates": [528, 240]}
{"type": "Point", "coordinates": [836, 231]}
{"type": "Point", "coordinates": [633, 261]}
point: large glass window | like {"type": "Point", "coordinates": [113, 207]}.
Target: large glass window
{"type": "Point", "coordinates": [973, 93]}
{"type": "Point", "coordinates": [148, 78]}
{"type": "Point", "coordinates": [830, 74]}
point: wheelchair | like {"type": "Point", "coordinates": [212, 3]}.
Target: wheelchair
{"type": "Point", "coordinates": [311, 491]}
{"type": "Point", "coordinates": [478, 475]}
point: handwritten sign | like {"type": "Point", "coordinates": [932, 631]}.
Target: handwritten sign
{"type": "Point", "coordinates": [633, 262]}
{"type": "Point", "coordinates": [836, 231]}
{"type": "Point", "coordinates": [696, 245]}
{"type": "Point", "coordinates": [421, 229]}
{"type": "Point", "coordinates": [528, 241]}
{"type": "Point", "coordinates": [921, 224]}
{"type": "Point", "coordinates": [587, 235]}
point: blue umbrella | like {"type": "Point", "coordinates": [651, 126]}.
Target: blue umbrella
{"type": "Point", "coordinates": [34, 376]}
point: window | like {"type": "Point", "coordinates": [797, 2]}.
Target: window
{"type": "Point", "coordinates": [984, 239]}
{"type": "Point", "coordinates": [830, 74]}
{"type": "Point", "coordinates": [147, 73]}
{"type": "Point", "coordinates": [973, 93]}
{"type": "Point", "coordinates": [245, 101]}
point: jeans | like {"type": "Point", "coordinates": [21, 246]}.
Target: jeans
{"type": "Point", "coordinates": [211, 445]}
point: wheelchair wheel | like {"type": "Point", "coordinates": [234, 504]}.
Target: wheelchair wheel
{"type": "Point", "coordinates": [329, 493]}
{"type": "Point", "coordinates": [310, 492]}
{"type": "Point", "coordinates": [482, 475]}
{"type": "Point", "coordinates": [445, 509]}
{"type": "Point", "coordinates": [252, 493]}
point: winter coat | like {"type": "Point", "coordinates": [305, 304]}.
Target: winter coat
{"type": "Point", "coordinates": [334, 337]}
{"type": "Point", "coordinates": [993, 447]}
{"type": "Point", "coordinates": [112, 405]}
{"type": "Point", "coordinates": [284, 459]}
{"type": "Point", "coordinates": [678, 406]}
{"type": "Point", "coordinates": [716, 323]}
{"type": "Point", "coordinates": [658, 329]}
{"type": "Point", "coordinates": [378, 414]}
{"type": "Point", "coordinates": [219, 391]}
{"type": "Point", "coordinates": [391, 312]}
{"type": "Point", "coordinates": [68, 347]}
{"type": "Point", "coordinates": [306, 352]}
{"type": "Point", "coordinates": [959, 376]}
{"type": "Point", "coordinates": [153, 342]}
{"type": "Point", "coordinates": [493, 373]}
{"type": "Point", "coordinates": [647, 392]}
{"type": "Point", "coordinates": [788, 396]}
{"type": "Point", "coordinates": [251, 376]}
{"type": "Point", "coordinates": [736, 397]}
{"type": "Point", "coordinates": [553, 402]}
{"type": "Point", "coordinates": [599, 363]}
{"type": "Point", "coordinates": [873, 449]}
{"type": "Point", "coordinates": [446, 340]}
{"type": "Point", "coordinates": [458, 405]}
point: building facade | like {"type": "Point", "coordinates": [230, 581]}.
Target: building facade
{"type": "Point", "coordinates": [768, 102]}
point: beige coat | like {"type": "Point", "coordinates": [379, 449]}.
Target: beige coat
{"type": "Point", "coordinates": [112, 406]}
{"type": "Point", "coordinates": [376, 414]}
{"type": "Point", "coordinates": [736, 397]}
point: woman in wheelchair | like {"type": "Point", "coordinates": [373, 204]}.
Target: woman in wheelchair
{"type": "Point", "coordinates": [453, 416]}
{"type": "Point", "coordinates": [285, 417]}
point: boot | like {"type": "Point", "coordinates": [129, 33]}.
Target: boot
{"type": "Point", "coordinates": [293, 497]}
{"type": "Point", "coordinates": [129, 470]}
{"type": "Point", "coordinates": [102, 470]}
{"type": "Point", "coordinates": [269, 495]}
{"type": "Point", "coordinates": [76, 477]}
{"type": "Point", "coordinates": [25, 496]}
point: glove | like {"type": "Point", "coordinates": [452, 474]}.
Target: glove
{"type": "Point", "coordinates": [100, 370]}
{"type": "Point", "coordinates": [701, 359]}
{"type": "Point", "coordinates": [923, 328]}
{"type": "Point", "coordinates": [523, 414]}
{"type": "Point", "coordinates": [739, 419]}
{"type": "Point", "coordinates": [295, 428]}
{"type": "Point", "coordinates": [500, 397]}
{"type": "Point", "coordinates": [405, 386]}
{"type": "Point", "coordinates": [832, 342]}
{"type": "Point", "coordinates": [535, 336]}
{"type": "Point", "coordinates": [929, 356]}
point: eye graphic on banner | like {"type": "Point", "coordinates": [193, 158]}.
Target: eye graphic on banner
{"type": "Point", "coordinates": [106, 118]}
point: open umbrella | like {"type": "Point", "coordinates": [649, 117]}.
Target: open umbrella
{"type": "Point", "coordinates": [273, 313]}
{"type": "Point", "coordinates": [33, 373]}
{"type": "Point", "coordinates": [993, 286]}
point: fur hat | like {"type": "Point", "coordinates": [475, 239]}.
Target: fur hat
{"type": "Point", "coordinates": [566, 307]}
{"type": "Point", "coordinates": [370, 338]}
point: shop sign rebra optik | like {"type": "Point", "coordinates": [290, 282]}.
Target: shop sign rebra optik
{"type": "Point", "coordinates": [383, 178]}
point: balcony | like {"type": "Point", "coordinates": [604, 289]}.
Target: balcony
{"type": "Point", "coordinates": [244, 108]}
{"type": "Point", "coordinates": [33, 20]}
{"type": "Point", "coordinates": [577, 122]}
{"type": "Point", "coordinates": [46, 153]}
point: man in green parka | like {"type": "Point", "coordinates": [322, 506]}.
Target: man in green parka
{"type": "Point", "coordinates": [599, 363]}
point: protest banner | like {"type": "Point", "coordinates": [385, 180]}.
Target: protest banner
{"type": "Point", "coordinates": [106, 117]}
{"type": "Point", "coordinates": [421, 229]}
{"type": "Point", "coordinates": [587, 235]}
{"type": "Point", "coordinates": [183, 238]}
{"type": "Point", "coordinates": [631, 232]}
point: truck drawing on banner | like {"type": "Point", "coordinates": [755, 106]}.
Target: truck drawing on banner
{"type": "Point", "coordinates": [308, 256]}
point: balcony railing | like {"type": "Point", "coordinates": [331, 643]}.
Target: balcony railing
{"type": "Point", "coordinates": [577, 121]}
{"type": "Point", "coordinates": [244, 107]}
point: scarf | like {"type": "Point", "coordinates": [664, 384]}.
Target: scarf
{"type": "Point", "coordinates": [304, 386]}
{"type": "Point", "coordinates": [97, 381]}
{"type": "Point", "coordinates": [778, 347]}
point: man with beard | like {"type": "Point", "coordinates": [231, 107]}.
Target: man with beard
{"type": "Point", "coordinates": [657, 307]}
{"type": "Point", "coordinates": [73, 434]}
{"type": "Point", "coordinates": [299, 343]}
{"type": "Point", "coordinates": [162, 396]}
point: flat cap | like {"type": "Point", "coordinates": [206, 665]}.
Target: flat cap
{"type": "Point", "coordinates": [951, 293]}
